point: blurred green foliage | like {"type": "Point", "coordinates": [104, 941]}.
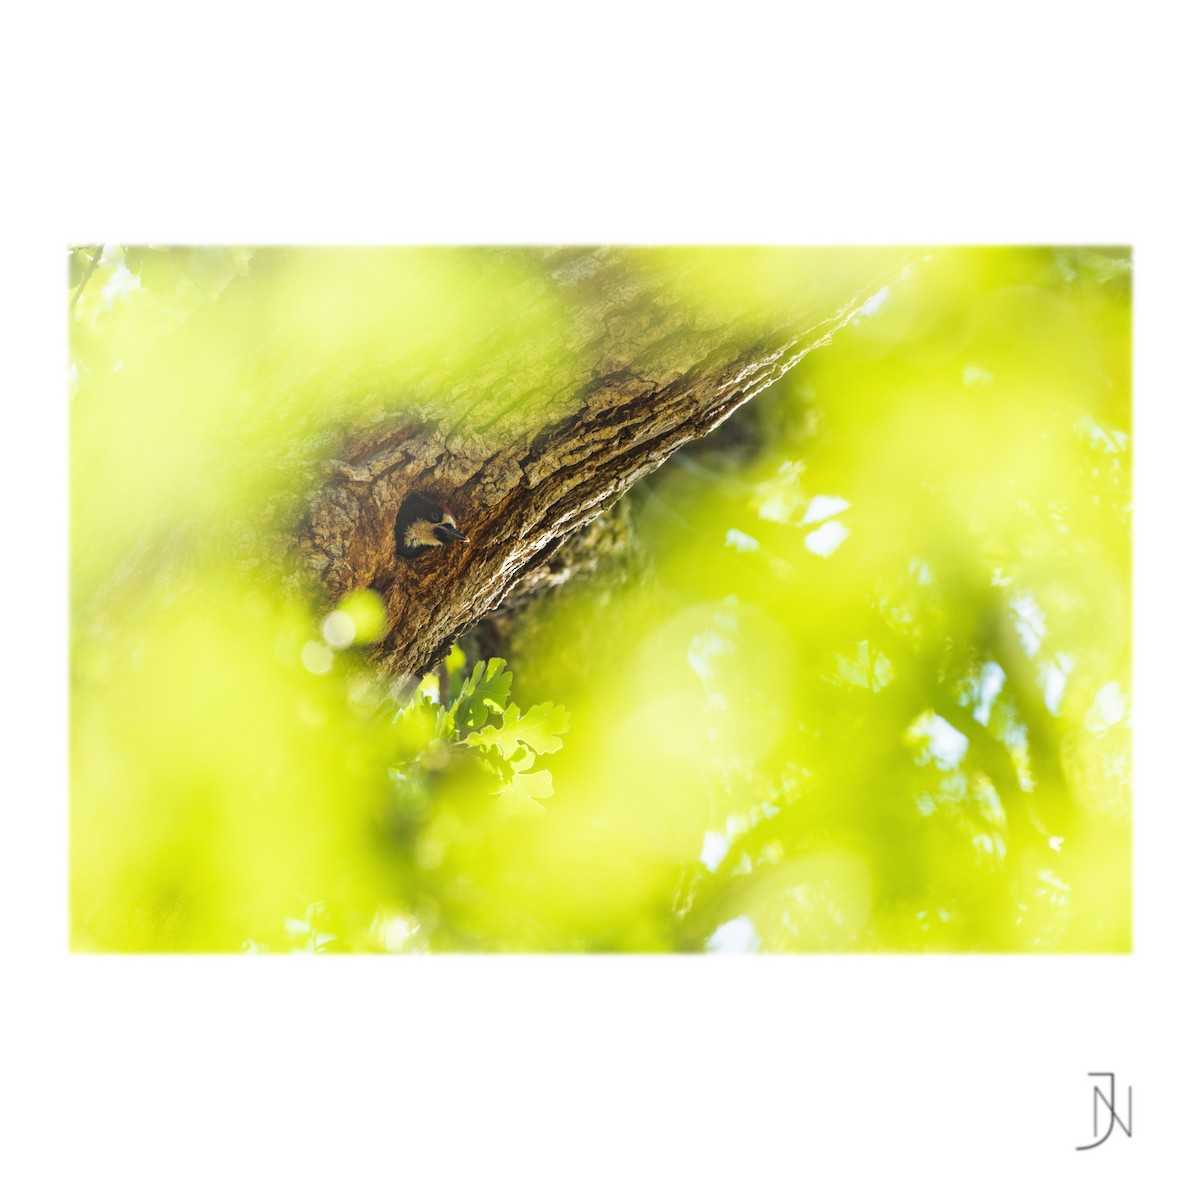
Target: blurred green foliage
{"type": "Point", "coordinates": [868, 690]}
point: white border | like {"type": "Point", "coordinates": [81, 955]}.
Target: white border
{"type": "Point", "coordinates": [643, 123]}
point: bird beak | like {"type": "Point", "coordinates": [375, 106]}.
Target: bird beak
{"type": "Point", "coordinates": [446, 533]}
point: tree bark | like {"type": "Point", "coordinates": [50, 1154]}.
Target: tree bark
{"type": "Point", "coordinates": [611, 361]}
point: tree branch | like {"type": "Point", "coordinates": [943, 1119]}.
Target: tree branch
{"type": "Point", "coordinates": [651, 353]}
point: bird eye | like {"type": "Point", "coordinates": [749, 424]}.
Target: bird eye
{"type": "Point", "coordinates": [433, 515]}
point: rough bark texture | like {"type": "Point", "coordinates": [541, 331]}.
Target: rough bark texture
{"type": "Point", "coordinates": [539, 440]}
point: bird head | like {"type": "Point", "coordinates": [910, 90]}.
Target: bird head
{"type": "Point", "coordinates": [424, 523]}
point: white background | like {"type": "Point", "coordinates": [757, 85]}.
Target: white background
{"type": "Point", "coordinates": [805, 1076]}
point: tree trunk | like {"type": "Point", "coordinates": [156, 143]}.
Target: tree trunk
{"type": "Point", "coordinates": [619, 358]}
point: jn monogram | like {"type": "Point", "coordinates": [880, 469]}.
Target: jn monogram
{"type": "Point", "coordinates": [1109, 1101]}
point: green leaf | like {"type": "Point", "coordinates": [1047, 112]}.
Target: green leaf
{"type": "Point", "coordinates": [416, 725]}
{"type": "Point", "coordinates": [484, 693]}
{"type": "Point", "coordinates": [541, 726]}
{"type": "Point", "coordinates": [522, 793]}
{"type": "Point", "coordinates": [536, 732]}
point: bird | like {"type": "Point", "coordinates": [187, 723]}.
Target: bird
{"type": "Point", "coordinates": [424, 523]}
